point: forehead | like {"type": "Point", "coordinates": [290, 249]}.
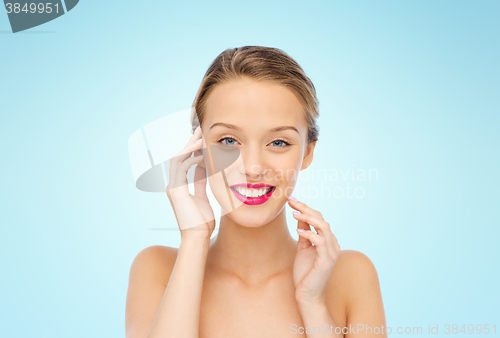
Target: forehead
{"type": "Point", "coordinates": [253, 104]}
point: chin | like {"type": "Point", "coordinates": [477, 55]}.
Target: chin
{"type": "Point", "coordinates": [249, 218]}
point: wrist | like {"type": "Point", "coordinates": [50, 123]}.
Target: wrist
{"type": "Point", "coordinates": [195, 234]}
{"type": "Point", "coordinates": [196, 241]}
{"type": "Point", "coordinates": [311, 310]}
{"type": "Point", "coordinates": [311, 304]}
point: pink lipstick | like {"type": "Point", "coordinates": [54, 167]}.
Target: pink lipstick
{"type": "Point", "coordinates": [253, 194]}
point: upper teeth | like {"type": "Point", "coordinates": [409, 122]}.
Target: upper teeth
{"type": "Point", "coordinates": [249, 192]}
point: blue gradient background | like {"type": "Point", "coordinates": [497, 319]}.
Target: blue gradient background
{"type": "Point", "coordinates": [410, 89]}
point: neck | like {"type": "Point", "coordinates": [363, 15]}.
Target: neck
{"type": "Point", "coordinates": [254, 254]}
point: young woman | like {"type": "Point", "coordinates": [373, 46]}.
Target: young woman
{"type": "Point", "coordinates": [253, 279]}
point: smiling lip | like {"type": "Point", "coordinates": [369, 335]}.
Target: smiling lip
{"type": "Point", "coordinates": [253, 200]}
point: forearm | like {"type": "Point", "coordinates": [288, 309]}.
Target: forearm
{"type": "Point", "coordinates": [318, 322]}
{"type": "Point", "coordinates": [179, 312]}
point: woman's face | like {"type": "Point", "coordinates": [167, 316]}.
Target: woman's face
{"type": "Point", "coordinates": [263, 123]}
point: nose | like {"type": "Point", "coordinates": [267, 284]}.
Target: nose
{"type": "Point", "coordinates": [254, 164]}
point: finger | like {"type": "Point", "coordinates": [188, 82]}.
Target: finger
{"type": "Point", "coordinates": [200, 182]}
{"type": "Point", "coordinates": [303, 243]}
{"type": "Point", "coordinates": [187, 151]}
{"type": "Point", "coordinates": [184, 167]}
{"type": "Point", "coordinates": [302, 207]}
{"type": "Point", "coordinates": [196, 135]}
{"type": "Point", "coordinates": [178, 173]}
{"type": "Point", "coordinates": [197, 131]}
{"type": "Point", "coordinates": [192, 144]}
{"type": "Point", "coordinates": [301, 223]}
{"type": "Point", "coordinates": [198, 153]}
{"type": "Point", "coordinates": [319, 224]}
{"type": "Point", "coordinates": [319, 242]}
{"type": "Point", "coordinates": [322, 228]}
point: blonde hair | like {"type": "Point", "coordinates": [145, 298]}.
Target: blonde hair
{"type": "Point", "coordinates": [261, 64]}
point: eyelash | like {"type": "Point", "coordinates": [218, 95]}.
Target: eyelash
{"type": "Point", "coordinates": [285, 142]}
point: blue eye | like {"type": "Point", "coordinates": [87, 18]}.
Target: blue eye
{"type": "Point", "coordinates": [280, 143]}
{"type": "Point", "coordinates": [227, 138]}
{"type": "Point", "coordinates": [231, 142]}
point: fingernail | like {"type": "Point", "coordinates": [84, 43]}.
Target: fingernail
{"type": "Point", "coordinates": [293, 199]}
{"type": "Point", "coordinates": [296, 212]}
{"type": "Point", "coordinates": [197, 128]}
{"type": "Point", "coordinates": [199, 140]}
{"type": "Point", "coordinates": [300, 230]}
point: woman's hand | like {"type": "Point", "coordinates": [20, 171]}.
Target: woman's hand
{"type": "Point", "coordinates": [194, 214]}
{"type": "Point", "coordinates": [313, 264]}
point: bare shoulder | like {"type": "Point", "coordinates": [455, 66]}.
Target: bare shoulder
{"type": "Point", "coordinates": [356, 278]}
{"type": "Point", "coordinates": [354, 271]}
{"type": "Point", "coordinates": [154, 262]}
{"type": "Point", "coordinates": [355, 262]}
{"type": "Point", "coordinates": [352, 275]}
{"type": "Point", "coordinates": [148, 279]}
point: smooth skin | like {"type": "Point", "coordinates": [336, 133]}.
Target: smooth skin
{"type": "Point", "coordinates": [252, 279]}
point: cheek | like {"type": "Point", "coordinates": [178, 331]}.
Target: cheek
{"type": "Point", "coordinates": [220, 192]}
{"type": "Point", "coordinates": [287, 167]}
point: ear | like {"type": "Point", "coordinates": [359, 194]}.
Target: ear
{"type": "Point", "coordinates": [308, 157]}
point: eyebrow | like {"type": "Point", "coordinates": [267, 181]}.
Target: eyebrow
{"type": "Point", "coordinates": [232, 126]}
